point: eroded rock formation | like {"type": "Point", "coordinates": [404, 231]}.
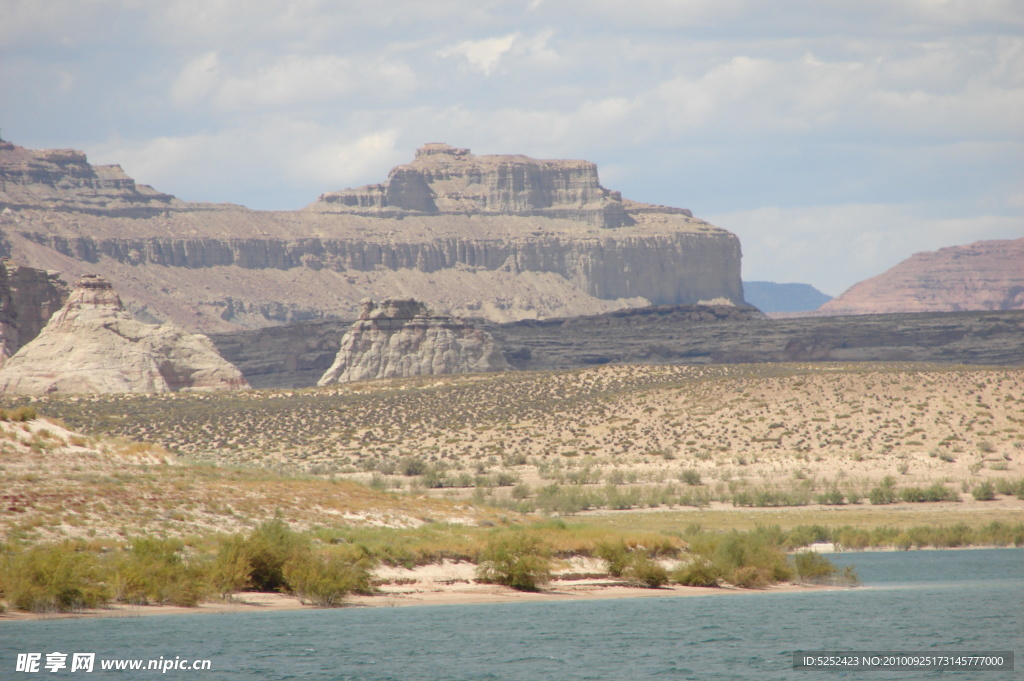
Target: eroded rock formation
{"type": "Point", "coordinates": [445, 180]}
{"type": "Point", "coordinates": [499, 237]}
{"type": "Point", "coordinates": [92, 345]}
{"type": "Point", "coordinates": [28, 298]}
{"type": "Point", "coordinates": [295, 356]}
{"type": "Point", "coordinates": [985, 275]}
{"type": "Point", "coordinates": [400, 338]}
{"type": "Point", "coordinates": [62, 179]}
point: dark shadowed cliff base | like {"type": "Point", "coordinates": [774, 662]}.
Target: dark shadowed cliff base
{"type": "Point", "coordinates": [297, 355]}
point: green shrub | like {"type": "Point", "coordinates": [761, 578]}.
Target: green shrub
{"type": "Point", "coordinates": [521, 491]}
{"type": "Point", "coordinates": [635, 565]}
{"type": "Point", "coordinates": [813, 567]}
{"type": "Point", "coordinates": [411, 465]}
{"type": "Point", "coordinates": [621, 499]}
{"type": "Point", "coordinates": [324, 578]}
{"type": "Point", "coordinates": [750, 577]}
{"type": "Point", "coordinates": [267, 549]}
{"type": "Point", "coordinates": [758, 549]}
{"type": "Point", "coordinates": [690, 477]}
{"type": "Point", "coordinates": [1011, 487]}
{"type": "Point", "coordinates": [52, 578]}
{"type": "Point", "coordinates": [27, 413]}
{"type": "Point", "coordinates": [934, 492]}
{"type": "Point", "coordinates": [152, 571]}
{"type": "Point", "coordinates": [698, 572]}
{"type": "Point", "coordinates": [515, 559]}
{"type": "Point", "coordinates": [884, 492]}
{"type": "Point", "coordinates": [644, 571]}
{"type": "Point", "coordinates": [231, 570]}
{"type": "Point", "coordinates": [985, 491]}
{"type": "Point", "coordinates": [615, 555]}
{"type": "Point", "coordinates": [832, 497]}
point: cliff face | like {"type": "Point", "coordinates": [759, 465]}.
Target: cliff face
{"type": "Point", "coordinates": [92, 345]}
{"type": "Point", "coordinates": [399, 339]}
{"type": "Point", "coordinates": [294, 356]}
{"type": "Point", "coordinates": [445, 180]}
{"type": "Point", "coordinates": [28, 298]}
{"type": "Point", "coordinates": [732, 336]}
{"type": "Point", "coordinates": [500, 237]}
{"type": "Point", "coordinates": [985, 275]}
{"type": "Point", "coordinates": [62, 179]}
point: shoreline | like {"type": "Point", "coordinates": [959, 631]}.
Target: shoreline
{"type": "Point", "coordinates": [470, 594]}
{"type": "Point", "coordinates": [452, 583]}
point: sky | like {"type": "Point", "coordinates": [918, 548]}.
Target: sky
{"type": "Point", "coordinates": [834, 137]}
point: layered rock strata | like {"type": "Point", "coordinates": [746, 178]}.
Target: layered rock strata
{"type": "Point", "coordinates": [296, 355]}
{"type": "Point", "coordinates": [399, 338]}
{"type": "Point", "coordinates": [985, 275]}
{"type": "Point", "coordinates": [92, 345]}
{"type": "Point", "coordinates": [63, 179]}
{"type": "Point", "coordinates": [503, 238]}
{"type": "Point", "coordinates": [656, 336]}
{"type": "Point", "coordinates": [445, 180]}
{"type": "Point", "coordinates": [28, 298]}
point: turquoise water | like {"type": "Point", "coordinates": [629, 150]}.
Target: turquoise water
{"type": "Point", "coordinates": [916, 601]}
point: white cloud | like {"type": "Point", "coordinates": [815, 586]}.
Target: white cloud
{"type": "Point", "coordinates": [816, 117]}
{"type": "Point", "coordinates": [197, 80]}
{"type": "Point", "coordinates": [295, 80]}
{"type": "Point", "coordinates": [291, 80]}
{"type": "Point", "coordinates": [346, 162]}
{"type": "Point", "coordinates": [481, 55]}
{"type": "Point", "coordinates": [272, 158]}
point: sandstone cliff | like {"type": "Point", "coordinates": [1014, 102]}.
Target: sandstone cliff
{"type": "Point", "coordinates": [985, 275]}
{"type": "Point", "coordinates": [445, 180]}
{"type": "Point", "coordinates": [399, 338]}
{"type": "Point", "coordinates": [28, 298]}
{"type": "Point", "coordinates": [503, 238]}
{"type": "Point", "coordinates": [62, 179]}
{"type": "Point", "coordinates": [92, 345]}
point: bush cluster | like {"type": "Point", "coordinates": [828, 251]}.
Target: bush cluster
{"type": "Point", "coordinates": [53, 578]}
{"type": "Point", "coordinates": [515, 559]}
{"type": "Point", "coordinates": [634, 564]}
{"type": "Point", "coordinates": [26, 413]}
{"type": "Point", "coordinates": [68, 577]}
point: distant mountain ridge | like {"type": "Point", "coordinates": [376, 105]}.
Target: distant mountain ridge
{"type": "Point", "coordinates": [769, 296]}
{"type": "Point", "coordinates": [984, 275]}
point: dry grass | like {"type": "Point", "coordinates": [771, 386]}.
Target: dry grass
{"type": "Point", "coordinates": [832, 424]}
{"type": "Point", "coordinates": [625, 436]}
{"type": "Point", "coordinates": [105, 488]}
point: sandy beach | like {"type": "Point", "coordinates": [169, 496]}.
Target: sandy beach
{"type": "Point", "coordinates": [423, 592]}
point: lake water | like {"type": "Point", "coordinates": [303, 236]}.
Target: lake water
{"type": "Point", "coordinates": [916, 601]}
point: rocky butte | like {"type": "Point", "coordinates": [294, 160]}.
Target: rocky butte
{"type": "Point", "coordinates": [92, 345]}
{"type": "Point", "coordinates": [498, 237]}
{"type": "Point", "coordinates": [400, 338]}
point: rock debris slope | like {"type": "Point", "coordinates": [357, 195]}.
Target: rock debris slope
{"type": "Point", "coordinates": [399, 338]}
{"type": "Point", "coordinates": [498, 237]}
{"type": "Point", "coordinates": [92, 345]}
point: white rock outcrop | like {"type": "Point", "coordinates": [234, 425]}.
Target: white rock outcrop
{"type": "Point", "coordinates": [399, 339]}
{"type": "Point", "coordinates": [92, 345]}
